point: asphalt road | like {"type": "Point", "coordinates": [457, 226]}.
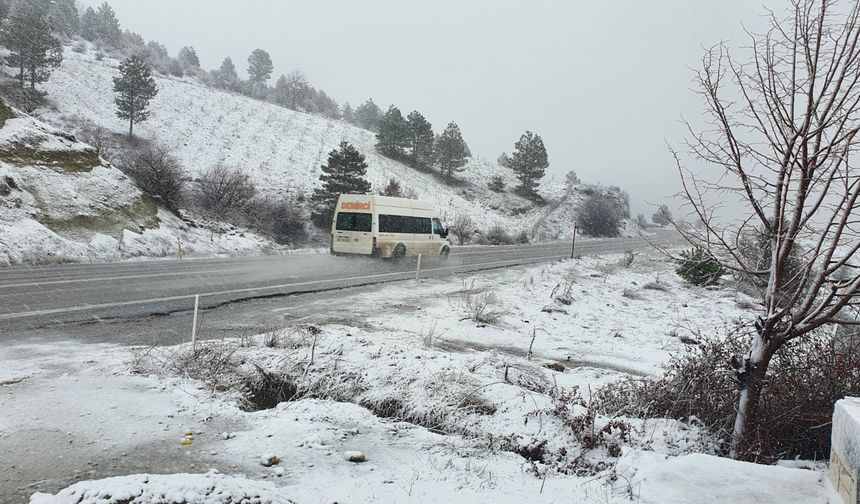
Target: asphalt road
{"type": "Point", "coordinates": [48, 300]}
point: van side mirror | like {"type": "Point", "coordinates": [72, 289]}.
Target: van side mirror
{"type": "Point", "coordinates": [445, 233]}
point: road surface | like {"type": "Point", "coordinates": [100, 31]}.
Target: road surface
{"type": "Point", "coordinates": [42, 300]}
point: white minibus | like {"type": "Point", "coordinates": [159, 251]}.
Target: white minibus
{"type": "Point", "coordinates": [383, 226]}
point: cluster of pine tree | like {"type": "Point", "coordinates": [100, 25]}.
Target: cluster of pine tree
{"type": "Point", "coordinates": [411, 140]}
{"type": "Point", "coordinates": [33, 31]}
{"type": "Point", "coordinates": [28, 33]}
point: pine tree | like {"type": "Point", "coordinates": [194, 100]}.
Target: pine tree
{"type": "Point", "coordinates": [63, 18]}
{"type": "Point", "coordinates": [135, 88]}
{"type": "Point", "coordinates": [188, 57]}
{"type": "Point", "coordinates": [392, 135]}
{"type": "Point", "coordinates": [420, 140]}
{"type": "Point", "coordinates": [89, 24]}
{"type": "Point", "coordinates": [529, 162]}
{"type": "Point", "coordinates": [107, 26]}
{"type": "Point", "coordinates": [227, 77]}
{"type": "Point", "coordinates": [347, 114]}
{"type": "Point", "coordinates": [4, 10]}
{"type": "Point", "coordinates": [451, 151]}
{"type": "Point", "coordinates": [327, 105]}
{"type": "Point", "coordinates": [367, 115]}
{"type": "Point", "coordinates": [33, 49]}
{"type": "Point", "coordinates": [259, 68]}
{"type": "Point", "coordinates": [344, 174]}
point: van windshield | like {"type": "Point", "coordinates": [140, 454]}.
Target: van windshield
{"type": "Point", "coordinates": [352, 221]}
{"type": "Point", "coordinates": [438, 228]}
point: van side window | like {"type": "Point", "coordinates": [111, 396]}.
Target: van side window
{"type": "Point", "coordinates": [438, 228]}
{"type": "Point", "coordinates": [422, 226]}
{"type": "Point", "coordinates": [404, 224]}
{"type": "Point", "coordinates": [391, 224]}
{"type": "Point", "coordinates": [352, 221]}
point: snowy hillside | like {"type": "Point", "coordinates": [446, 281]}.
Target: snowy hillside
{"type": "Point", "coordinates": [59, 201]}
{"type": "Point", "coordinates": [281, 148]}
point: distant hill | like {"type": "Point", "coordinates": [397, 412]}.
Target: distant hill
{"type": "Point", "coordinates": [283, 149]}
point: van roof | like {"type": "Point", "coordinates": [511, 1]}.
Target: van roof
{"type": "Point", "coordinates": [388, 201]}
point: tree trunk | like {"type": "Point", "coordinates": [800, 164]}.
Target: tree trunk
{"type": "Point", "coordinates": [130, 127]}
{"type": "Point", "coordinates": [21, 75]}
{"type": "Point", "coordinates": [751, 378]}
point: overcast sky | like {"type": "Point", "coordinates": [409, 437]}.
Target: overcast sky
{"type": "Point", "coordinates": [603, 82]}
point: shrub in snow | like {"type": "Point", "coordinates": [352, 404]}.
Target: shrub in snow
{"type": "Point", "coordinates": [599, 215]}
{"type": "Point", "coordinates": [522, 238]}
{"type": "Point", "coordinates": [354, 456]}
{"type": "Point", "coordinates": [496, 235]}
{"type": "Point", "coordinates": [699, 267]}
{"type": "Point", "coordinates": [699, 386]}
{"type": "Point", "coordinates": [156, 172]}
{"type": "Point", "coordinates": [496, 184]}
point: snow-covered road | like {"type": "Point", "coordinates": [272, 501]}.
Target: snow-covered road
{"type": "Point", "coordinates": [34, 297]}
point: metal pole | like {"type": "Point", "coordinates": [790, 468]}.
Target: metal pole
{"type": "Point", "coordinates": [194, 321]}
{"type": "Point", "coordinates": [573, 242]}
{"type": "Point", "coordinates": [418, 269]}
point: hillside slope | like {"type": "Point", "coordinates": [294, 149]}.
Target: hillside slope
{"type": "Point", "coordinates": [59, 202]}
{"type": "Point", "coordinates": [281, 149]}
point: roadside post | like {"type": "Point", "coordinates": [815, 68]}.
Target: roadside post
{"type": "Point", "coordinates": [194, 321]}
{"type": "Point", "coordinates": [573, 241]}
{"type": "Point", "coordinates": [418, 269]}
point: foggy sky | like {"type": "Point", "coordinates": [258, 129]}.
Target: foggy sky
{"type": "Point", "coordinates": [605, 83]}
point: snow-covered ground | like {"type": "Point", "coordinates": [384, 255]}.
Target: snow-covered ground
{"type": "Point", "coordinates": [60, 202]}
{"type": "Point", "coordinates": [282, 149]}
{"type": "Point", "coordinates": [443, 407]}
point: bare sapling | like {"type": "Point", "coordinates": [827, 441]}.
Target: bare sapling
{"type": "Point", "coordinates": [780, 131]}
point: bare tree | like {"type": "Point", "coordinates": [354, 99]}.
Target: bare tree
{"type": "Point", "coordinates": [463, 227]}
{"type": "Point", "coordinates": [100, 138]}
{"type": "Point", "coordinates": [781, 130]}
{"type": "Point", "coordinates": [224, 191]}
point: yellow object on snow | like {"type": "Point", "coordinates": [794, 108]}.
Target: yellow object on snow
{"type": "Point", "coordinates": [185, 441]}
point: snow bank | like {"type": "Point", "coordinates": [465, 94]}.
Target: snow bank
{"type": "Point", "coordinates": [210, 488]}
{"type": "Point", "coordinates": [654, 478]}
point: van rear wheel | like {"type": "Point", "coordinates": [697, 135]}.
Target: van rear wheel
{"type": "Point", "coordinates": [399, 252]}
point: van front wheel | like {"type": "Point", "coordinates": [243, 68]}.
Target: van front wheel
{"type": "Point", "coordinates": [399, 252]}
{"type": "Point", "coordinates": [444, 253]}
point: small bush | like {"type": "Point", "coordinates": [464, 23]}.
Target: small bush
{"type": "Point", "coordinates": [497, 235]}
{"type": "Point", "coordinates": [100, 138]}
{"type": "Point", "coordinates": [80, 47]}
{"type": "Point", "coordinates": [100, 56]}
{"type": "Point", "coordinates": [523, 238]}
{"type": "Point", "coordinates": [285, 221]}
{"type": "Point", "coordinates": [496, 184]}
{"type": "Point", "coordinates": [156, 172]}
{"type": "Point", "coordinates": [599, 216]}
{"type": "Point", "coordinates": [700, 267]}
